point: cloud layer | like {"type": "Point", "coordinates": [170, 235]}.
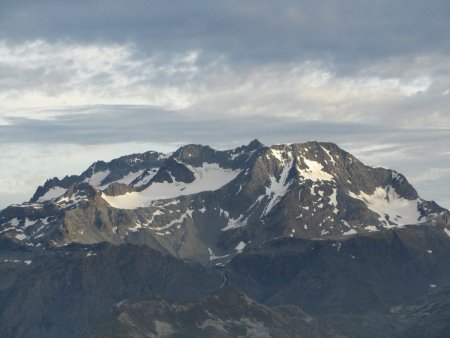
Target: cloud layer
{"type": "Point", "coordinates": [247, 31]}
{"type": "Point", "coordinates": [41, 80]}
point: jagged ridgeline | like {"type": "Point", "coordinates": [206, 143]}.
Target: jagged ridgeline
{"type": "Point", "coordinates": [292, 240]}
{"type": "Point", "coordinates": [207, 205]}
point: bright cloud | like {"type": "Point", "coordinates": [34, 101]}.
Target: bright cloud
{"type": "Point", "coordinates": [39, 77]}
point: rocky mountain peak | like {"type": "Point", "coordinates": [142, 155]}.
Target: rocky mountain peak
{"type": "Point", "coordinates": [195, 154]}
{"type": "Point", "coordinates": [291, 225]}
{"type": "Point", "coordinates": [209, 205]}
{"type": "Point", "coordinates": [254, 144]}
{"type": "Point", "coordinates": [173, 171]}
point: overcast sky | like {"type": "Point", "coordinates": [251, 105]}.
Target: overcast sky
{"type": "Point", "coordinates": [88, 80]}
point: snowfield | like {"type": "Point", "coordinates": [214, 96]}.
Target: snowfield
{"type": "Point", "coordinates": [390, 206]}
{"type": "Point", "coordinates": [52, 193]}
{"type": "Point", "coordinates": [208, 177]}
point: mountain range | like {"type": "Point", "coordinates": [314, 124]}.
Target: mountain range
{"type": "Point", "coordinates": [291, 240]}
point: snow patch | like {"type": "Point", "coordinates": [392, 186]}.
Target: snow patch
{"type": "Point", "coordinates": [27, 262]}
{"type": "Point", "coordinates": [333, 200]}
{"type": "Point", "coordinates": [156, 213]}
{"type": "Point", "coordinates": [21, 237]}
{"type": "Point", "coordinates": [397, 176]}
{"type": "Point", "coordinates": [208, 177]}
{"type": "Point", "coordinates": [14, 222]}
{"type": "Point", "coordinates": [240, 247]}
{"type": "Point", "coordinates": [213, 257]}
{"type": "Point", "coordinates": [72, 200]}
{"type": "Point", "coordinates": [447, 232]}
{"type": "Point", "coordinates": [314, 172]}
{"type": "Point", "coordinates": [278, 154]}
{"type": "Point", "coordinates": [144, 180]}
{"type": "Point", "coordinates": [130, 177]}
{"type": "Point", "coordinates": [258, 200]}
{"type": "Point", "coordinates": [28, 223]}
{"type": "Point", "coordinates": [179, 221]}
{"type": "Point", "coordinates": [329, 154]}
{"type": "Point", "coordinates": [164, 156]}
{"type": "Point", "coordinates": [390, 206]}
{"type": "Point", "coordinates": [53, 193]}
{"type": "Point", "coordinates": [96, 179]}
{"type": "Point", "coordinates": [277, 188]}
{"type": "Point", "coordinates": [349, 232]}
{"type": "Point", "coordinates": [234, 154]}
{"type": "Point", "coordinates": [371, 228]}
{"type": "Point", "coordinates": [136, 227]}
{"type": "Point", "coordinates": [234, 223]}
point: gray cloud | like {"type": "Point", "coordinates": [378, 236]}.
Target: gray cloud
{"type": "Point", "coordinates": [348, 32]}
{"type": "Point", "coordinates": [119, 124]}
{"type": "Point", "coordinates": [106, 124]}
{"type": "Point", "coordinates": [39, 78]}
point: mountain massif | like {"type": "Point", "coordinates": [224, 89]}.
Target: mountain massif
{"type": "Point", "coordinates": [292, 240]}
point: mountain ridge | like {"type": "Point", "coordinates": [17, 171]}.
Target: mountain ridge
{"type": "Point", "coordinates": [291, 240]}
{"type": "Point", "coordinates": [208, 205]}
